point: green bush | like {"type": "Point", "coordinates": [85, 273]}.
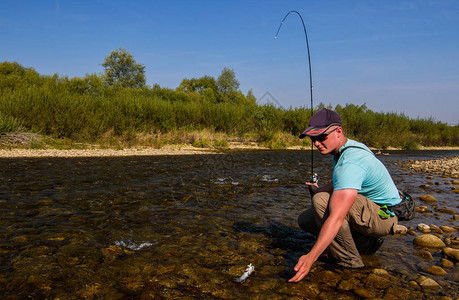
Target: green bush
{"type": "Point", "coordinates": [87, 109]}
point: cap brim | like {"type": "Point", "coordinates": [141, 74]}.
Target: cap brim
{"type": "Point", "coordinates": [316, 131]}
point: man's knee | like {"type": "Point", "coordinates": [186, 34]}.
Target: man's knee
{"type": "Point", "coordinates": [320, 202]}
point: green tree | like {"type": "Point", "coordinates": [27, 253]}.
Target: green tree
{"type": "Point", "coordinates": [121, 69]}
{"type": "Point", "coordinates": [198, 85]}
{"type": "Point", "coordinates": [227, 81]}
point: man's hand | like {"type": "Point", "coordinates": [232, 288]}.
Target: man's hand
{"type": "Point", "coordinates": [313, 187]}
{"type": "Point", "coordinates": [302, 267]}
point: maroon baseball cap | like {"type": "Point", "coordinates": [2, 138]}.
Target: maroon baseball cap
{"type": "Point", "coordinates": [321, 121]}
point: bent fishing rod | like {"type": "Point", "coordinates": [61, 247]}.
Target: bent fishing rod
{"type": "Point", "coordinates": [314, 177]}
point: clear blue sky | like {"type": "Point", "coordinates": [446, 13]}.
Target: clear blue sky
{"type": "Point", "coordinates": [393, 55]}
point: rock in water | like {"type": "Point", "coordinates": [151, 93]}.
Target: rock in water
{"type": "Point", "coordinates": [424, 228]}
{"type": "Point", "coordinates": [428, 198]}
{"type": "Point", "coordinates": [446, 263]}
{"type": "Point", "coordinates": [428, 240]}
{"type": "Point", "coordinates": [448, 229]}
{"type": "Point", "coordinates": [435, 270]}
{"type": "Point", "coordinates": [451, 253]}
{"type": "Point", "coordinates": [428, 283]}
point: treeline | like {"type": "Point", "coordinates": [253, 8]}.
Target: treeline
{"type": "Point", "coordinates": [90, 110]}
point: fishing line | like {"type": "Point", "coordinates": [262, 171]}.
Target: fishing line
{"type": "Point", "coordinates": [314, 176]}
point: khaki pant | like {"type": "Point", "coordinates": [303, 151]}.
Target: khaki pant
{"type": "Point", "coordinates": [360, 224]}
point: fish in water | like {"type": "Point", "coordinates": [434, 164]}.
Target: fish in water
{"type": "Point", "coordinates": [248, 271]}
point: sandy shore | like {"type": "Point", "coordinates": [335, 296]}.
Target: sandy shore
{"type": "Point", "coordinates": [102, 152]}
{"type": "Point", "coordinates": [166, 150]}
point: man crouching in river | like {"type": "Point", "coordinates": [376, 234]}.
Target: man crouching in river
{"type": "Point", "coordinates": [350, 215]}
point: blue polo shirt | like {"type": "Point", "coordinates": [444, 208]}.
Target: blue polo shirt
{"type": "Point", "coordinates": [359, 169]}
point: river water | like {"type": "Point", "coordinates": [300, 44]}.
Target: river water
{"type": "Point", "coordinates": [169, 227]}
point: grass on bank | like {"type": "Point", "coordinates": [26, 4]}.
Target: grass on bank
{"type": "Point", "coordinates": [78, 112]}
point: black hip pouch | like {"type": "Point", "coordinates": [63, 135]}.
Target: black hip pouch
{"type": "Point", "coordinates": [405, 210]}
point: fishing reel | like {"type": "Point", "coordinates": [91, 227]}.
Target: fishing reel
{"type": "Point", "coordinates": [314, 178]}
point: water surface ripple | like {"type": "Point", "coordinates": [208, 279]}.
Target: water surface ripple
{"type": "Point", "coordinates": [188, 226]}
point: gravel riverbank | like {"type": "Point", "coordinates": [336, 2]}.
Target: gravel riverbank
{"type": "Point", "coordinates": [445, 166]}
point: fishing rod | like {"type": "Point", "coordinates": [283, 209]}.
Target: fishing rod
{"type": "Point", "coordinates": [314, 177]}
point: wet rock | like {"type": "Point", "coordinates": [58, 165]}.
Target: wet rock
{"type": "Point", "coordinates": [396, 293]}
{"type": "Point", "coordinates": [364, 293]}
{"type": "Point", "coordinates": [421, 209]}
{"type": "Point", "coordinates": [19, 239]}
{"type": "Point", "coordinates": [447, 229]}
{"type": "Point", "coordinates": [380, 272]}
{"type": "Point", "coordinates": [455, 182]}
{"type": "Point", "coordinates": [428, 198]}
{"type": "Point", "coordinates": [447, 210]}
{"type": "Point", "coordinates": [424, 186]}
{"type": "Point", "coordinates": [446, 263]}
{"type": "Point", "coordinates": [424, 254]}
{"type": "Point", "coordinates": [378, 281]}
{"type": "Point", "coordinates": [412, 232]}
{"type": "Point", "coordinates": [345, 285]}
{"type": "Point", "coordinates": [414, 284]}
{"type": "Point", "coordinates": [424, 228]}
{"type": "Point", "coordinates": [456, 217]}
{"type": "Point", "coordinates": [428, 240]}
{"type": "Point", "coordinates": [451, 253]}
{"type": "Point", "coordinates": [427, 283]}
{"type": "Point", "coordinates": [435, 270]}
{"type": "Point", "coordinates": [435, 229]}
{"type": "Point", "coordinates": [113, 252]}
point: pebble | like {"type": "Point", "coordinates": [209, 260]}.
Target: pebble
{"type": "Point", "coordinates": [427, 283]}
{"type": "Point", "coordinates": [451, 253]}
{"type": "Point", "coordinates": [424, 228]}
{"type": "Point", "coordinates": [380, 272]}
{"type": "Point", "coordinates": [364, 293]}
{"type": "Point", "coordinates": [421, 209]}
{"type": "Point", "coordinates": [447, 229]}
{"type": "Point", "coordinates": [446, 263]}
{"type": "Point", "coordinates": [428, 198]}
{"type": "Point", "coordinates": [424, 254]}
{"type": "Point", "coordinates": [435, 270]}
{"type": "Point", "coordinates": [429, 240]}
{"type": "Point", "coordinates": [435, 229]}
{"type": "Point", "coordinates": [446, 210]}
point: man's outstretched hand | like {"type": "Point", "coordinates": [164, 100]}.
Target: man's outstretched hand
{"type": "Point", "coordinates": [302, 267]}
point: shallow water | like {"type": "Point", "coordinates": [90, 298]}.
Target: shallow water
{"type": "Point", "coordinates": [188, 226]}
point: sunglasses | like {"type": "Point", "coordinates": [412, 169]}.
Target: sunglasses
{"type": "Point", "coordinates": [323, 137]}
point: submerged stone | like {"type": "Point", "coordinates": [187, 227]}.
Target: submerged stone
{"type": "Point", "coordinates": [446, 263]}
{"type": "Point", "coordinates": [364, 293]}
{"type": "Point", "coordinates": [435, 270]}
{"type": "Point", "coordinates": [424, 228]}
{"type": "Point", "coordinates": [427, 283]}
{"type": "Point", "coordinates": [451, 253]}
{"type": "Point", "coordinates": [448, 229]}
{"type": "Point", "coordinates": [435, 229]}
{"type": "Point", "coordinates": [428, 198]}
{"type": "Point", "coordinates": [424, 254]}
{"type": "Point", "coordinates": [428, 240]}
